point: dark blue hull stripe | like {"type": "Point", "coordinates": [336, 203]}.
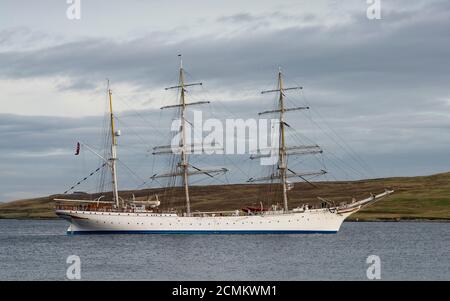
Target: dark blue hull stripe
{"type": "Point", "coordinates": [202, 232]}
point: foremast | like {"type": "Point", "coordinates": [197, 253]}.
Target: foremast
{"type": "Point", "coordinates": [113, 158]}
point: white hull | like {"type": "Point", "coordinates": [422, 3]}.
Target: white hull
{"type": "Point", "coordinates": [310, 221]}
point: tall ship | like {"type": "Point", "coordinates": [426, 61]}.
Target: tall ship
{"type": "Point", "coordinates": [109, 213]}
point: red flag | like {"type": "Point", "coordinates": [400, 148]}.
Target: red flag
{"type": "Point", "coordinates": [77, 151]}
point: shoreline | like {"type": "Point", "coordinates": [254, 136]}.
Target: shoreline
{"type": "Point", "coordinates": [405, 220]}
{"type": "Point", "coordinates": [418, 199]}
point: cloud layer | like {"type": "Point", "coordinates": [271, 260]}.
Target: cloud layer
{"type": "Point", "coordinates": [381, 84]}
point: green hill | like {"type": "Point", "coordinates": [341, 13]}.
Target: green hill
{"type": "Point", "coordinates": [424, 197]}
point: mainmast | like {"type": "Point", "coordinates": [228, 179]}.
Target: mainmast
{"type": "Point", "coordinates": [284, 151]}
{"type": "Point", "coordinates": [185, 168]}
{"type": "Point", "coordinates": [184, 159]}
{"type": "Point", "coordinates": [113, 158]}
{"type": "Point", "coordinates": [282, 146]}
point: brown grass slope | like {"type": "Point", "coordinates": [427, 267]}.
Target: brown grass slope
{"type": "Point", "coordinates": [424, 197]}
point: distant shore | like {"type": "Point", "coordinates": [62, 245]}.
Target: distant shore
{"type": "Point", "coordinates": [421, 198]}
{"type": "Point", "coordinates": [399, 221]}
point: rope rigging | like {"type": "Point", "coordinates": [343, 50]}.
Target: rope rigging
{"type": "Point", "coordinates": [172, 182]}
{"type": "Point", "coordinates": [85, 178]}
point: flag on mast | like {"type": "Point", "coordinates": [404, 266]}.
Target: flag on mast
{"type": "Point", "coordinates": [77, 150]}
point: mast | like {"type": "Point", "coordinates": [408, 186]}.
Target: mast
{"type": "Point", "coordinates": [113, 158]}
{"type": "Point", "coordinates": [185, 168]}
{"type": "Point", "coordinates": [284, 151]}
{"type": "Point", "coordinates": [282, 147]}
{"type": "Point", "coordinates": [184, 159]}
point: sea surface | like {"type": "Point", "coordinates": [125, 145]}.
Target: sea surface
{"type": "Point", "coordinates": [38, 250]}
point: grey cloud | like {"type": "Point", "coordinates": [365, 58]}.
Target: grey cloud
{"type": "Point", "coordinates": [383, 85]}
{"type": "Point", "coordinates": [239, 18]}
{"type": "Point", "coordinates": [102, 55]}
{"type": "Point", "coordinates": [363, 51]}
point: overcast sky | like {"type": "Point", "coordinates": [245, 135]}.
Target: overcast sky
{"type": "Point", "coordinates": [381, 85]}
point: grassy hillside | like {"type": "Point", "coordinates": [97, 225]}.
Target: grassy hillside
{"type": "Point", "coordinates": [426, 197]}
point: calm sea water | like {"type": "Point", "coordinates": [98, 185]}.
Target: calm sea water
{"type": "Point", "coordinates": [37, 250]}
